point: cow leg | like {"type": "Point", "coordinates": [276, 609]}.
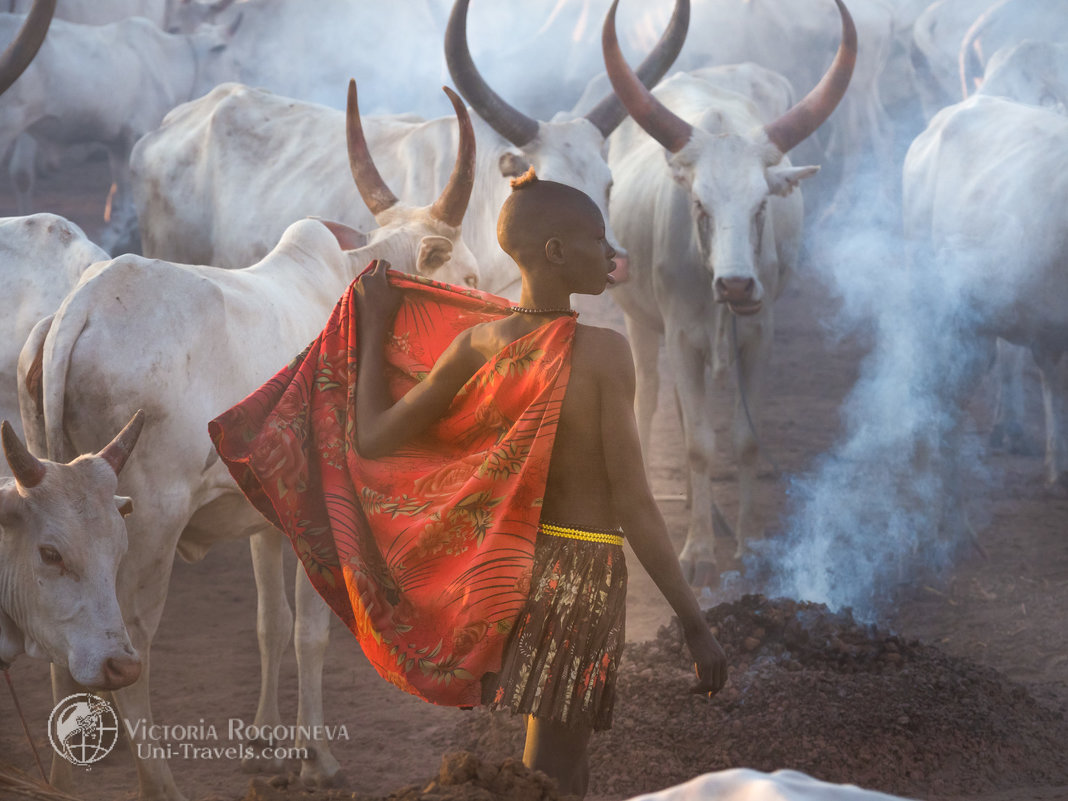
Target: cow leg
{"type": "Point", "coordinates": [645, 349]}
{"type": "Point", "coordinates": [23, 171]}
{"type": "Point", "coordinates": [1008, 431]}
{"type": "Point", "coordinates": [1054, 371]}
{"type": "Point", "coordinates": [274, 622]}
{"type": "Point", "coordinates": [142, 591]}
{"type": "Point", "coordinates": [693, 378]}
{"type": "Point", "coordinates": [755, 338]}
{"type": "Point", "coordinates": [678, 414]}
{"type": "Point", "coordinates": [311, 634]}
{"type": "Point", "coordinates": [154, 776]}
{"type": "Point", "coordinates": [941, 455]}
{"type": "Point", "coordinates": [61, 775]}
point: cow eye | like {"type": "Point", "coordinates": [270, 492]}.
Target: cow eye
{"type": "Point", "coordinates": [50, 556]}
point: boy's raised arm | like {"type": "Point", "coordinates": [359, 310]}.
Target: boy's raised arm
{"type": "Point", "coordinates": [382, 426]}
{"type": "Point", "coordinates": [643, 525]}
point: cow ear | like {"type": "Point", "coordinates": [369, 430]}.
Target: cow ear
{"type": "Point", "coordinates": [513, 165]}
{"type": "Point", "coordinates": [10, 505]}
{"type": "Point", "coordinates": [681, 170]}
{"type": "Point", "coordinates": [783, 180]}
{"type": "Point", "coordinates": [231, 32]}
{"type": "Point", "coordinates": [434, 251]}
{"type": "Point", "coordinates": [124, 505]}
{"type": "Point", "coordinates": [347, 238]}
{"type": "Point", "coordinates": [223, 36]}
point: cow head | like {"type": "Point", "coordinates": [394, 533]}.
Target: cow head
{"type": "Point", "coordinates": [731, 172]}
{"type": "Point", "coordinates": [568, 150]}
{"type": "Point", "coordinates": [61, 539]}
{"type": "Point", "coordinates": [427, 237]}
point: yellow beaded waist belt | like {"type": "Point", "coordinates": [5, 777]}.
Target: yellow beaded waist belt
{"type": "Point", "coordinates": [607, 537]}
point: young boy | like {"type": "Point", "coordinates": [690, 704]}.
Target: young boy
{"type": "Point", "coordinates": [560, 662]}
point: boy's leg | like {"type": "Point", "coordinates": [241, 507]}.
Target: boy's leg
{"type": "Point", "coordinates": [560, 752]}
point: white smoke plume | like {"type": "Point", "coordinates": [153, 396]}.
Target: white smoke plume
{"type": "Point", "coordinates": [901, 493]}
{"type": "Point", "coordinates": [885, 506]}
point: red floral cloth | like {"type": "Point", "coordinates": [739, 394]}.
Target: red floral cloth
{"type": "Point", "coordinates": [425, 555]}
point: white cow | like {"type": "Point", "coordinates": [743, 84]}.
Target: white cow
{"type": "Point", "coordinates": [203, 193]}
{"type": "Point", "coordinates": [745, 784]}
{"type": "Point", "coordinates": [42, 257]}
{"type": "Point", "coordinates": [109, 84]}
{"type": "Point", "coordinates": [1036, 73]}
{"type": "Point", "coordinates": [185, 343]}
{"type": "Point", "coordinates": [983, 190]}
{"type": "Point", "coordinates": [710, 211]}
{"type": "Point", "coordinates": [61, 539]}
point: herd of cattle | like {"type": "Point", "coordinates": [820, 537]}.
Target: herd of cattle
{"type": "Point", "coordinates": [693, 175]}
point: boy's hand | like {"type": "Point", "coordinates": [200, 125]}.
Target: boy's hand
{"type": "Point", "coordinates": [377, 301]}
{"type": "Point", "coordinates": [710, 664]}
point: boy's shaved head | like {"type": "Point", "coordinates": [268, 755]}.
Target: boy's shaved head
{"type": "Point", "coordinates": [537, 211]}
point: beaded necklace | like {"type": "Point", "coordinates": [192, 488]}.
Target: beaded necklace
{"type": "Point", "coordinates": [525, 310]}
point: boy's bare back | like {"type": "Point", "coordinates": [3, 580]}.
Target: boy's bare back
{"type": "Point", "coordinates": [596, 406]}
{"type": "Point", "coordinates": [602, 381]}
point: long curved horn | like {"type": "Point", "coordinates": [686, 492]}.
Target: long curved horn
{"type": "Point", "coordinates": [119, 449]}
{"type": "Point", "coordinates": [18, 55]}
{"type": "Point", "coordinates": [27, 469]}
{"type": "Point", "coordinates": [654, 117]}
{"type": "Point", "coordinates": [376, 195]}
{"type": "Point", "coordinates": [510, 123]}
{"type": "Point", "coordinates": [805, 117]}
{"type": "Point", "coordinates": [452, 203]}
{"type": "Point", "coordinates": [607, 114]}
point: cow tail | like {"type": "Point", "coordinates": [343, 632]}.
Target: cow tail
{"type": "Point", "coordinates": [31, 387]}
{"type": "Point", "coordinates": [70, 321]}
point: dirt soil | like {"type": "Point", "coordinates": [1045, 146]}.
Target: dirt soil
{"type": "Point", "coordinates": [959, 693]}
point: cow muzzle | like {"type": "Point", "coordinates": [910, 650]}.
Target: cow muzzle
{"type": "Point", "coordinates": [740, 294]}
{"type": "Point", "coordinates": [119, 672]}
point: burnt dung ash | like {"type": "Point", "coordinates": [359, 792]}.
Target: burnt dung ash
{"type": "Point", "coordinates": [462, 776]}
{"type": "Point", "coordinates": [815, 691]}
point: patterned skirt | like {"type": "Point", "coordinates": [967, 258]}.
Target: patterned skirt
{"type": "Point", "coordinates": [562, 657]}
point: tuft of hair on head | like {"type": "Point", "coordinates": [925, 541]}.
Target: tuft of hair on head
{"type": "Point", "coordinates": [527, 179]}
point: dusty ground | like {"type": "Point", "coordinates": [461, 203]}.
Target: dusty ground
{"type": "Point", "coordinates": [972, 705]}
